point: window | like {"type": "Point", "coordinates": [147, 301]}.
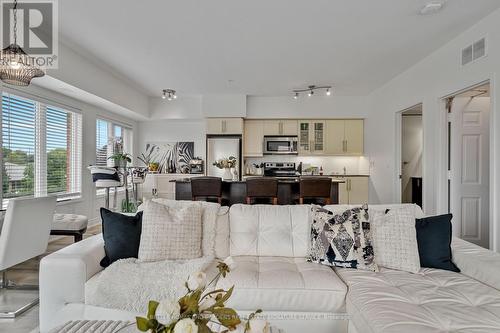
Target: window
{"type": "Point", "coordinates": [111, 138]}
{"type": "Point", "coordinates": [41, 149]}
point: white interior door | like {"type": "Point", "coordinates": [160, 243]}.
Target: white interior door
{"type": "Point", "coordinates": [469, 175]}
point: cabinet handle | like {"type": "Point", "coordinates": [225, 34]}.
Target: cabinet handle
{"type": "Point", "coordinates": [346, 146]}
{"type": "Point", "coordinates": [348, 185]}
{"type": "Point", "coordinates": [311, 146]}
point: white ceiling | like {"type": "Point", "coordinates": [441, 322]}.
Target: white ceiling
{"type": "Point", "coordinates": [261, 47]}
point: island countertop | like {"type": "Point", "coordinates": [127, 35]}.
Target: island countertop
{"type": "Point", "coordinates": [234, 192]}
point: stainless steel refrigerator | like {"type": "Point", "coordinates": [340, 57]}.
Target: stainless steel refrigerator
{"type": "Point", "coordinates": [222, 146]}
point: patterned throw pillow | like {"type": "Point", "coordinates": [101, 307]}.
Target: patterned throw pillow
{"type": "Point", "coordinates": [170, 233]}
{"type": "Point", "coordinates": [342, 240]}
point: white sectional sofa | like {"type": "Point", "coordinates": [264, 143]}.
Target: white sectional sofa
{"type": "Point", "coordinates": [269, 245]}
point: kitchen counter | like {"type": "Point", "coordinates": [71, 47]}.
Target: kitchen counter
{"type": "Point", "coordinates": [234, 192]}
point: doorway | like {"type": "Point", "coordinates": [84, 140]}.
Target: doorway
{"type": "Point", "coordinates": [468, 129]}
{"type": "Point", "coordinates": [412, 145]}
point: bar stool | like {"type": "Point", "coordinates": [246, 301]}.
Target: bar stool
{"type": "Point", "coordinates": [315, 188]}
{"type": "Point", "coordinates": [262, 187]}
{"type": "Point", "coordinates": [206, 187]}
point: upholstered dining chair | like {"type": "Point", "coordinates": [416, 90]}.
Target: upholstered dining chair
{"type": "Point", "coordinates": [24, 235]}
{"type": "Point", "coordinates": [315, 188]}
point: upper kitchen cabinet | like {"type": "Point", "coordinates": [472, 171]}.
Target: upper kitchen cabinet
{"type": "Point", "coordinates": [354, 137]}
{"type": "Point", "coordinates": [253, 138]}
{"type": "Point", "coordinates": [312, 134]}
{"type": "Point", "coordinates": [280, 127]}
{"type": "Point", "coordinates": [224, 126]}
{"type": "Point", "coordinates": [344, 137]}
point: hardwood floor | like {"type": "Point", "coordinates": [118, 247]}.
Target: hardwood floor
{"type": "Point", "coordinates": [27, 273]}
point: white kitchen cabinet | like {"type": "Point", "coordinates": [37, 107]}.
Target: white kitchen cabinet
{"type": "Point", "coordinates": [354, 137]}
{"type": "Point", "coordinates": [224, 126]}
{"type": "Point", "coordinates": [253, 138]}
{"type": "Point", "coordinates": [335, 136]}
{"type": "Point", "coordinates": [354, 191]}
{"type": "Point", "coordinates": [344, 137]}
{"type": "Point", "coordinates": [280, 127]}
{"type": "Point", "coordinates": [163, 184]}
{"type": "Point", "coordinates": [312, 140]}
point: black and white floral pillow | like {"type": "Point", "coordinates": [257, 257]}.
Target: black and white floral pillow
{"type": "Point", "coordinates": [342, 240]}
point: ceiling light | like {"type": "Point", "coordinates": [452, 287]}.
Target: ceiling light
{"type": "Point", "coordinates": [16, 66]}
{"type": "Point", "coordinates": [432, 7]}
{"type": "Point", "coordinates": [168, 94]}
{"type": "Point", "coordinates": [310, 90]}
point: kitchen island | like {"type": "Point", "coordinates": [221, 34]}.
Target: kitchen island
{"type": "Point", "coordinates": [234, 192]}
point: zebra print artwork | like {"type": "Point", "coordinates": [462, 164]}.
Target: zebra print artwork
{"type": "Point", "coordinates": [173, 157]}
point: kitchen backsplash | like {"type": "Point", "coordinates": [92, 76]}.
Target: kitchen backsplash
{"type": "Point", "coordinates": [357, 165]}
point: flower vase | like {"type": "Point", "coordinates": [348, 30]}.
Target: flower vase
{"type": "Point", "coordinates": [235, 174]}
{"type": "Point", "coordinates": [227, 174]}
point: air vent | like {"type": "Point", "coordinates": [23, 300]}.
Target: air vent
{"type": "Point", "coordinates": [474, 52]}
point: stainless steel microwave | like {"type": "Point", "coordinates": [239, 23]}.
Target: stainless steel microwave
{"type": "Point", "coordinates": [280, 145]}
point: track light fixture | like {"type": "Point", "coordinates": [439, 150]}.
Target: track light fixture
{"type": "Point", "coordinates": [168, 94]}
{"type": "Point", "coordinates": [310, 91]}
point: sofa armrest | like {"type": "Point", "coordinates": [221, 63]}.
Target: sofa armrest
{"type": "Point", "coordinates": [63, 275]}
{"type": "Point", "coordinates": [477, 262]}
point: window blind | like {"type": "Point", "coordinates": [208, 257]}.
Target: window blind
{"type": "Point", "coordinates": [18, 147]}
{"type": "Point", "coordinates": [41, 149]}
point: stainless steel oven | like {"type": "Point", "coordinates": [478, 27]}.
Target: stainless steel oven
{"type": "Point", "coordinates": [280, 145]}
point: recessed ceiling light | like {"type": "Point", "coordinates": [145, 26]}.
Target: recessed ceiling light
{"type": "Point", "coordinates": [432, 7]}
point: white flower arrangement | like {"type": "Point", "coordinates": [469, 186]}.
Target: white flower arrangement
{"type": "Point", "coordinates": [200, 308]}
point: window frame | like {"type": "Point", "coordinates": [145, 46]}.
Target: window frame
{"type": "Point", "coordinates": [74, 168]}
{"type": "Point", "coordinates": [126, 130]}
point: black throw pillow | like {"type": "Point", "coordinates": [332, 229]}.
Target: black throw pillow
{"type": "Point", "coordinates": [434, 242]}
{"type": "Point", "coordinates": [122, 235]}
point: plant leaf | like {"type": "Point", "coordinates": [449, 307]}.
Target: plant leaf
{"type": "Point", "coordinates": [227, 317]}
{"type": "Point", "coordinates": [152, 306]}
{"type": "Point", "coordinates": [142, 324]}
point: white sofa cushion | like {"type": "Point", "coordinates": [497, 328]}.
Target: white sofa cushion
{"type": "Point", "coordinates": [266, 230]}
{"type": "Point", "coordinates": [284, 284]}
{"type": "Point", "coordinates": [215, 224]}
{"type": "Point", "coordinates": [395, 239]}
{"type": "Point", "coordinates": [392, 301]}
{"type": "Point", "coordinates": [476, 262]}
{"type": "Point", "coordinates": [170, 233]}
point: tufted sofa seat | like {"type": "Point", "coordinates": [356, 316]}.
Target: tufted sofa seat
{"type": "Point", "coordinates": [284, 284]}
{"type": "Point", "coordinates": [434, 301]}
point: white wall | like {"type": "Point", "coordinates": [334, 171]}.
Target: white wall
{"type": "Point", "coordinates": [89, 204]}
{"type": "Point", "coordinates": [427, 82]}
{"type": "Point", "coordinates": [78, 71]}
{"type": "Point", "coordinates": [317, 106]}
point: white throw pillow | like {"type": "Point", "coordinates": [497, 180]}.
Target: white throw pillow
{"type": "Point", "coordinates": [395, 239]}
{"type": "Point", "coordinates": [170, 233]}
{"type": "Point", "coordinates": [215, 225]}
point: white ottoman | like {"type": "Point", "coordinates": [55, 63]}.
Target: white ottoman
{"type": "Point", "coordinates": [69, 225]}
